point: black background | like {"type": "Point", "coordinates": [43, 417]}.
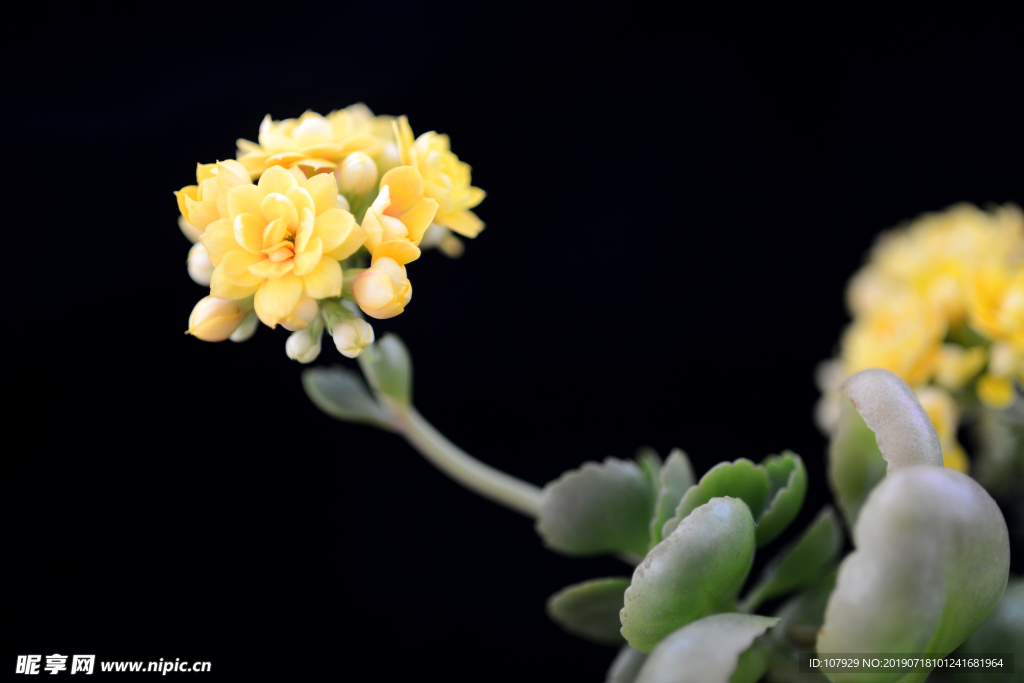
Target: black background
{"type": "Point", "coordinates": [674, 205]}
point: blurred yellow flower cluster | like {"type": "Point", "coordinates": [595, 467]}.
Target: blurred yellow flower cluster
{"type": "Point", "coordinates": [316, 222]}
{"type": "Point", "coordinates": [940, 303]}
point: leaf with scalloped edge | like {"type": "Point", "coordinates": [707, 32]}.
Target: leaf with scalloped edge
{"type": "Point", "coordinates": [739, 479]}
{"type": "Point", "coordinates": [697, 570]}
{"type": "Point", "coordinates": [801, 563]}
{"type": "Point", "coordinates": [931, 563]}
{"type": "Point", "coordinates": [880, 416]}
{"type": "Point", "coordinates": [855, 465]}
{"type": "Point", "coordinates": [590, 609]}
{"type": "Point", "coordinates": [890, 408]}
{"type": "Point", "coordinates": [676, 478]}
{"type": "Point", "coordinates": [789, 486]}
{"type": "Point", "coordinates": [598, 508]}
{"type": "Point", "coordinates": [715, 649]}
{"type": "Point", "coordinates": [774, 491]}
{"type": "Point", "coordinates": [649, 461]}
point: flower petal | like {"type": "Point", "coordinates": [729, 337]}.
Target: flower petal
{"type": "Point", "coordinates": [324, 280]}
{"type": "Point", "coordinates": [219, 239]}
{"type": "Point", "coordinates": [309, 257]}
{"type": "Point", "coordinates": [463, 222]}
{"type": "Point", "coordinates": [323, 150]}
{"type": "Point", "coordinates": [190, 191]}
{"type": "Point", "coordinates": [305, 230]}
{"type": "Point", "coordinates": [418, 218]}
{"type": "Point", "coordinates": [301, 199]}
{"type": "Point", "coordinates": [201, 214]}
{"type": "Point", "coordinates": [311, 166]}
{"type": "Point", "coordinates": [222, 288]}
{"type": "Point", "coordinates": [355, 239]}
{"type": "Point", "coordinates": [476, 195]}
{"type": "Point", "coordinates": [332, 227]}
{"type": "Point", "coordinates": [323, 189]}
{"type": "Point", "coordinates": [248, 230]}
{"type": "Point", "coordinates": [276, 205]}
{"type": "Point", "coordinates": [245, 199]}
{"type": "Point", "coordinates": [272, 269]}
{"type": "Point", "coordinates": [277, 179]}
{"type": "Point", "coordinates": [235, 267]}
{"type": "Point", "coordinates": [406, 185]}
{"type": "Point", "coordinates": [274, 233]}
{"type": "Point", "coordinates": [276, 298]}
{"type": "Point", "coordinates": [402, 251]}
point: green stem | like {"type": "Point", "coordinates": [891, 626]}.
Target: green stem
{"type": "Point", "coordinates": [477, 477]}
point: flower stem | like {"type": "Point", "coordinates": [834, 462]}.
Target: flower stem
{"type": "Point", "coordinates": [490, 483]}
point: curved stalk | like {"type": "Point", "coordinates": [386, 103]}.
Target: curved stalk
{"type": "Point", "coordinates": [482, 479]}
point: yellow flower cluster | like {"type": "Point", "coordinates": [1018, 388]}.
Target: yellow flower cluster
{"type": "Point", "coordinates": [941, 304]}
{"type": "Point", "coordinates": [299, 224]}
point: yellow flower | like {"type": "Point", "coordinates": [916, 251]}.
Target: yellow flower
{"type": "Point", "coordinates": [938, 255]}
{"type": "Point", "coordinates": [957, 365]}
{"type": "Point", "coordinates": [399, 215]}
{"type": "Point", "coordinates": [383, 290]}
{"type": "Point", "coordinates": [446, 179]}
{"type": "Point", "coordinates": [312, 141]}
{"type": "Point", "coordinates": [995, 387]}
{"type": "Point", "coordinates": [995, 391]}
{"type": "Point", "coordinates": [282, 240]}
{"type": "Point", "coordinates": [942, 411]}
{"type": "Point", "coordinates": [901, 334]}
{"type": "Point", "coordinates": [207, 201]}
{"type": "Point", "coordinates": [996, 302]}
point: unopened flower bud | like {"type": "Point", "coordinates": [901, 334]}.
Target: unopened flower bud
{"type": "Point", "coordinates": [248, 328]}
{"type": "Point", "coordinates": [216, 319]}
{"type": "Point", "coordinates": [1004, 359]}
{"type": "Point", "coordinates": [357, 174]}
{"type": "Point", "coordinates": [188, 230]}
{"type": "Point", "coordinates": [304, 345]}
{"type": "Point", "coordinates": [342, 203]}
{"type": "Point", "coordinates": [302, 315]}
{"type": "Point", "coordinates": [352, 336]}
{"type": "Point", "coordinates": [383, 290]}
{"type": "Point", "coordinates": [388, 158]}
{"type": "Point", "coordinates": [199, 267]}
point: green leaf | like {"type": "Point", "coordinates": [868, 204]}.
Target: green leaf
{"type": "Point", "coordinates": [802, 616]}
{"type": "Point", "coordinates": [626, 665]}
{"type": "Point", "coordinates": [879, 417]}
{"type": "Point", "coordinates": [388, 368]}
{"type": "Point", "coordinates": [695, 571]}
{"type": "Point", "coordinates": [802, 563]}
{"type": "Point", "coordinates": [590, 609]}
{"type": "Point", "coordinates": [598, 508]}
{"type": "Point", "coordinates": [650, 463]}
{"type": "Point", "coordinates": [740, 479]}
{"type": "Point", "coordinates": [1003, 631]}
{"type": "Point", "coordinates": [341, 394]}
{"type": "Point", "coordinates": [855, 465]}
{"type": "Point", "coordinates": [890, 408]}
{"type": "Point", "coordinates": [774, 491]}
{"type": "Point", "coordinates": [709, 651]}
{"type": "Point", "coordinates": [789, 486]}
{"type": "Point", "coordinates": [675, 478]}
{"type": "Point", "coordinates": [931, 563]}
